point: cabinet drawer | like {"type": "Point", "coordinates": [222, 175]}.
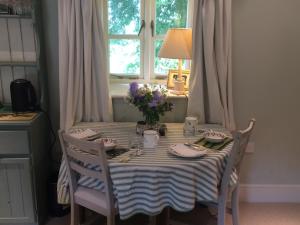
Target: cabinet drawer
{"type": "Point", "coordinates": [14, 142]}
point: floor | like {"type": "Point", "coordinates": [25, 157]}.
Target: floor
{"type": "Point", "coordinates": [250, 214]}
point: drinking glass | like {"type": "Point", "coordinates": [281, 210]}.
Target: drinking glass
{"type": "Point", "coordinates": [188, 134]}
{"type": "Point", "coordinates": [135, 144]}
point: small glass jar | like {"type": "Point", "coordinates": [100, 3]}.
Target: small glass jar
{"type": "Point", "coordinates": [162, 129]}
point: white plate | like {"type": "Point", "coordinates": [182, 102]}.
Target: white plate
{"type": "Point", "coordinates": [182, 150]}
{"type": "Point", "coordinates": [109, 143]}
{"type": "Point", "coordinates": [214, 136]}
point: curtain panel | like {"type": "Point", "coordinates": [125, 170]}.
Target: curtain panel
{"type": "Point", "coordinates": [83, 72]}
{"type": "Point", "coordinates": [210, 97]}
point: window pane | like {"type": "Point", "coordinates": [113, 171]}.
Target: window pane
{"type": "Point", "coordinates": [123, 16]}
{"type": "Point", "coordinates": [162, 66]}
{"type": "Point", "coordinates": [170, 14]}
{"type": "Point", "coordinates": [124, 56]}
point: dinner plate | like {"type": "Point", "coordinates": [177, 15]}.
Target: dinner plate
{"type": "Point", "coordinates": [184, 151]}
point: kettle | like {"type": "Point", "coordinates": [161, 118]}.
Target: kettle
{"type": "Point", "coordinates": [23, 96]}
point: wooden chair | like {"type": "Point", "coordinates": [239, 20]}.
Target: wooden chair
{"type": "Point", "coordinates": [241, 139]}
{"type": "Point", "coordinates": [100, 202]}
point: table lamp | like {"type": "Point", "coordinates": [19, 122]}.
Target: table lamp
{"type": "Point", "coordinates": [177, 45]}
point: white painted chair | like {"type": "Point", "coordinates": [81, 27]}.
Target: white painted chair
{"type": "Point", "coordinates": [241, 139]}
{"type": "Point", "coordinates": [100, 202]}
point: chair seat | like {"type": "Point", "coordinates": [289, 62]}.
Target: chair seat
{"type": "Point", "coordinates": [91, 199]}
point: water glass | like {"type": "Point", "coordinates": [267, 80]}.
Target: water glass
{"type": "Point", "coordinates": [188, 134]}
{"type": "Point", "coordinates": [135, 144]}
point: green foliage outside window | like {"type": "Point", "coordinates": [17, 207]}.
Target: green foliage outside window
{"type": "Point", "coordinates": [170, 14]}
{"type": "Point", "coordinates": [124, 18]}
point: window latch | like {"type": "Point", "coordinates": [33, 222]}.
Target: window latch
{"type": "Point", "coordinates": [141, 28]}
{"type": "Point", "coordinates": [152, 28]}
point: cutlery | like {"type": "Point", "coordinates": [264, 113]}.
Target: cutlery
{"type": "Point", "coordinates": [194, 146]}
{"type": "Point", "coordinates": [199, 148]}
{"type": "Point", "coordinates": [131, 155]}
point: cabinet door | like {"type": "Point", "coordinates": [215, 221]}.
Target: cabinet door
{"type": "Point", "coordinates": [16, 196]}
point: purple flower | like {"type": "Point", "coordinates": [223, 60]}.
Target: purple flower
{"type": "Point", "coordinates": [139, 97]}
{"type": "Point", "coordinates": [157, 96]}
{"type": "Point", "coordinates": [153, 103]}
{"type": "Point", "coordinates": [133, 88]}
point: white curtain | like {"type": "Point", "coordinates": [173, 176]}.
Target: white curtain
{"type": "Point", "coordinates": [211, 74]}
{"type": "Point", "coordinates": [83, 72]}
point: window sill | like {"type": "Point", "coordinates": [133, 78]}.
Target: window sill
{"type": "Point", "coordinates": [120, 89]}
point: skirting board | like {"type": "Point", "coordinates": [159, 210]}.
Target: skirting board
{"type": "Point", "coordinates": [270, 193]}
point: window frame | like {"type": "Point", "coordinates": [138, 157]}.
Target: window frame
{"type": "Point", "coordinates": [147, 44]}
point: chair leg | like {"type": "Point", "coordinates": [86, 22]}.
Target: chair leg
{"type": "Point", "coordinates": [222, 209]}
{"type": "Point", "coordinates": [74, 214]}
{"type": "Point", "coordinates": [235, 206]}
{"type": "Point", "coordinates": [221, 214]}
{"type": "Point", "coordinates": [110, 220]}
{"type": "Point", "coordinates": [81, 216]}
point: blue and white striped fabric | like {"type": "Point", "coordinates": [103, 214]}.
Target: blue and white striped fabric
{"type": "Point", "coordinates": [149, 183]}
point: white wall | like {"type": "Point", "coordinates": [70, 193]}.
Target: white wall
{"type": "Point", "coordinates": [266, 69]}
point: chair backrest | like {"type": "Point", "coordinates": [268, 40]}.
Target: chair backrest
{"type": "Point", "coordinates": [79, 153]}
{"type": "Point", "coordinates": [241, 139]}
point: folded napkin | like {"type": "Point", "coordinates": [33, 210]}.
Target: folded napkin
{"type": "Point", "coordinates": [185, 151]}
{"type": "Point", "coordinates": [215, 146]}
{"type": "Point", "coordinates": [81, 134]}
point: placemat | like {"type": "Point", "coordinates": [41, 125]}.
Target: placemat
{"type": "Point", "coordinates": [215, 146]}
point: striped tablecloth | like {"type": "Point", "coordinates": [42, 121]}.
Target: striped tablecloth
{"type": "Point", "coordinates": [156, 179]}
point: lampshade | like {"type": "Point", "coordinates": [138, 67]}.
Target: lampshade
{"type": "Point", "coordinates": [177, 44]}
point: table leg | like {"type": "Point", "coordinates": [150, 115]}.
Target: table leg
{"type": "Point", "coordinates": [161, 219]}
{"type": "Point", "coordinates": [152, 220]}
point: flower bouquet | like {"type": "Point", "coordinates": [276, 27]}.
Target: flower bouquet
{"type": "Point", "coordinates": [150, 100]}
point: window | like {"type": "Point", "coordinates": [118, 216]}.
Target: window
{"type": "Point", "coordinates": [136, 29]}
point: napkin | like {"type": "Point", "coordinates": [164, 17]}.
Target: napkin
{"type": "Point", "coordinates": [185, 151]}
{"type": "Point", "coordinates": [215, 146]}
{"type": "Point", "coordinates": [83, 134]}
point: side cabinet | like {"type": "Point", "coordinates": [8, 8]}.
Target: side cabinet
{"type": "Point", "coordinates": [16, 201]}
{"type": "Point", "coordinates": [23, 171]}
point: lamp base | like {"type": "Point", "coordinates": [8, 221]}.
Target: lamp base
{"type": "Point", "coordinates": [178, 87]}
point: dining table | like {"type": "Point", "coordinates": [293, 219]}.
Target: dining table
{"type": "Point", "coordinates": [156, 179]}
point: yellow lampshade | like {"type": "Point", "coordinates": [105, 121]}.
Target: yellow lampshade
{"type": "Point", "coordinates": [177, 44]}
